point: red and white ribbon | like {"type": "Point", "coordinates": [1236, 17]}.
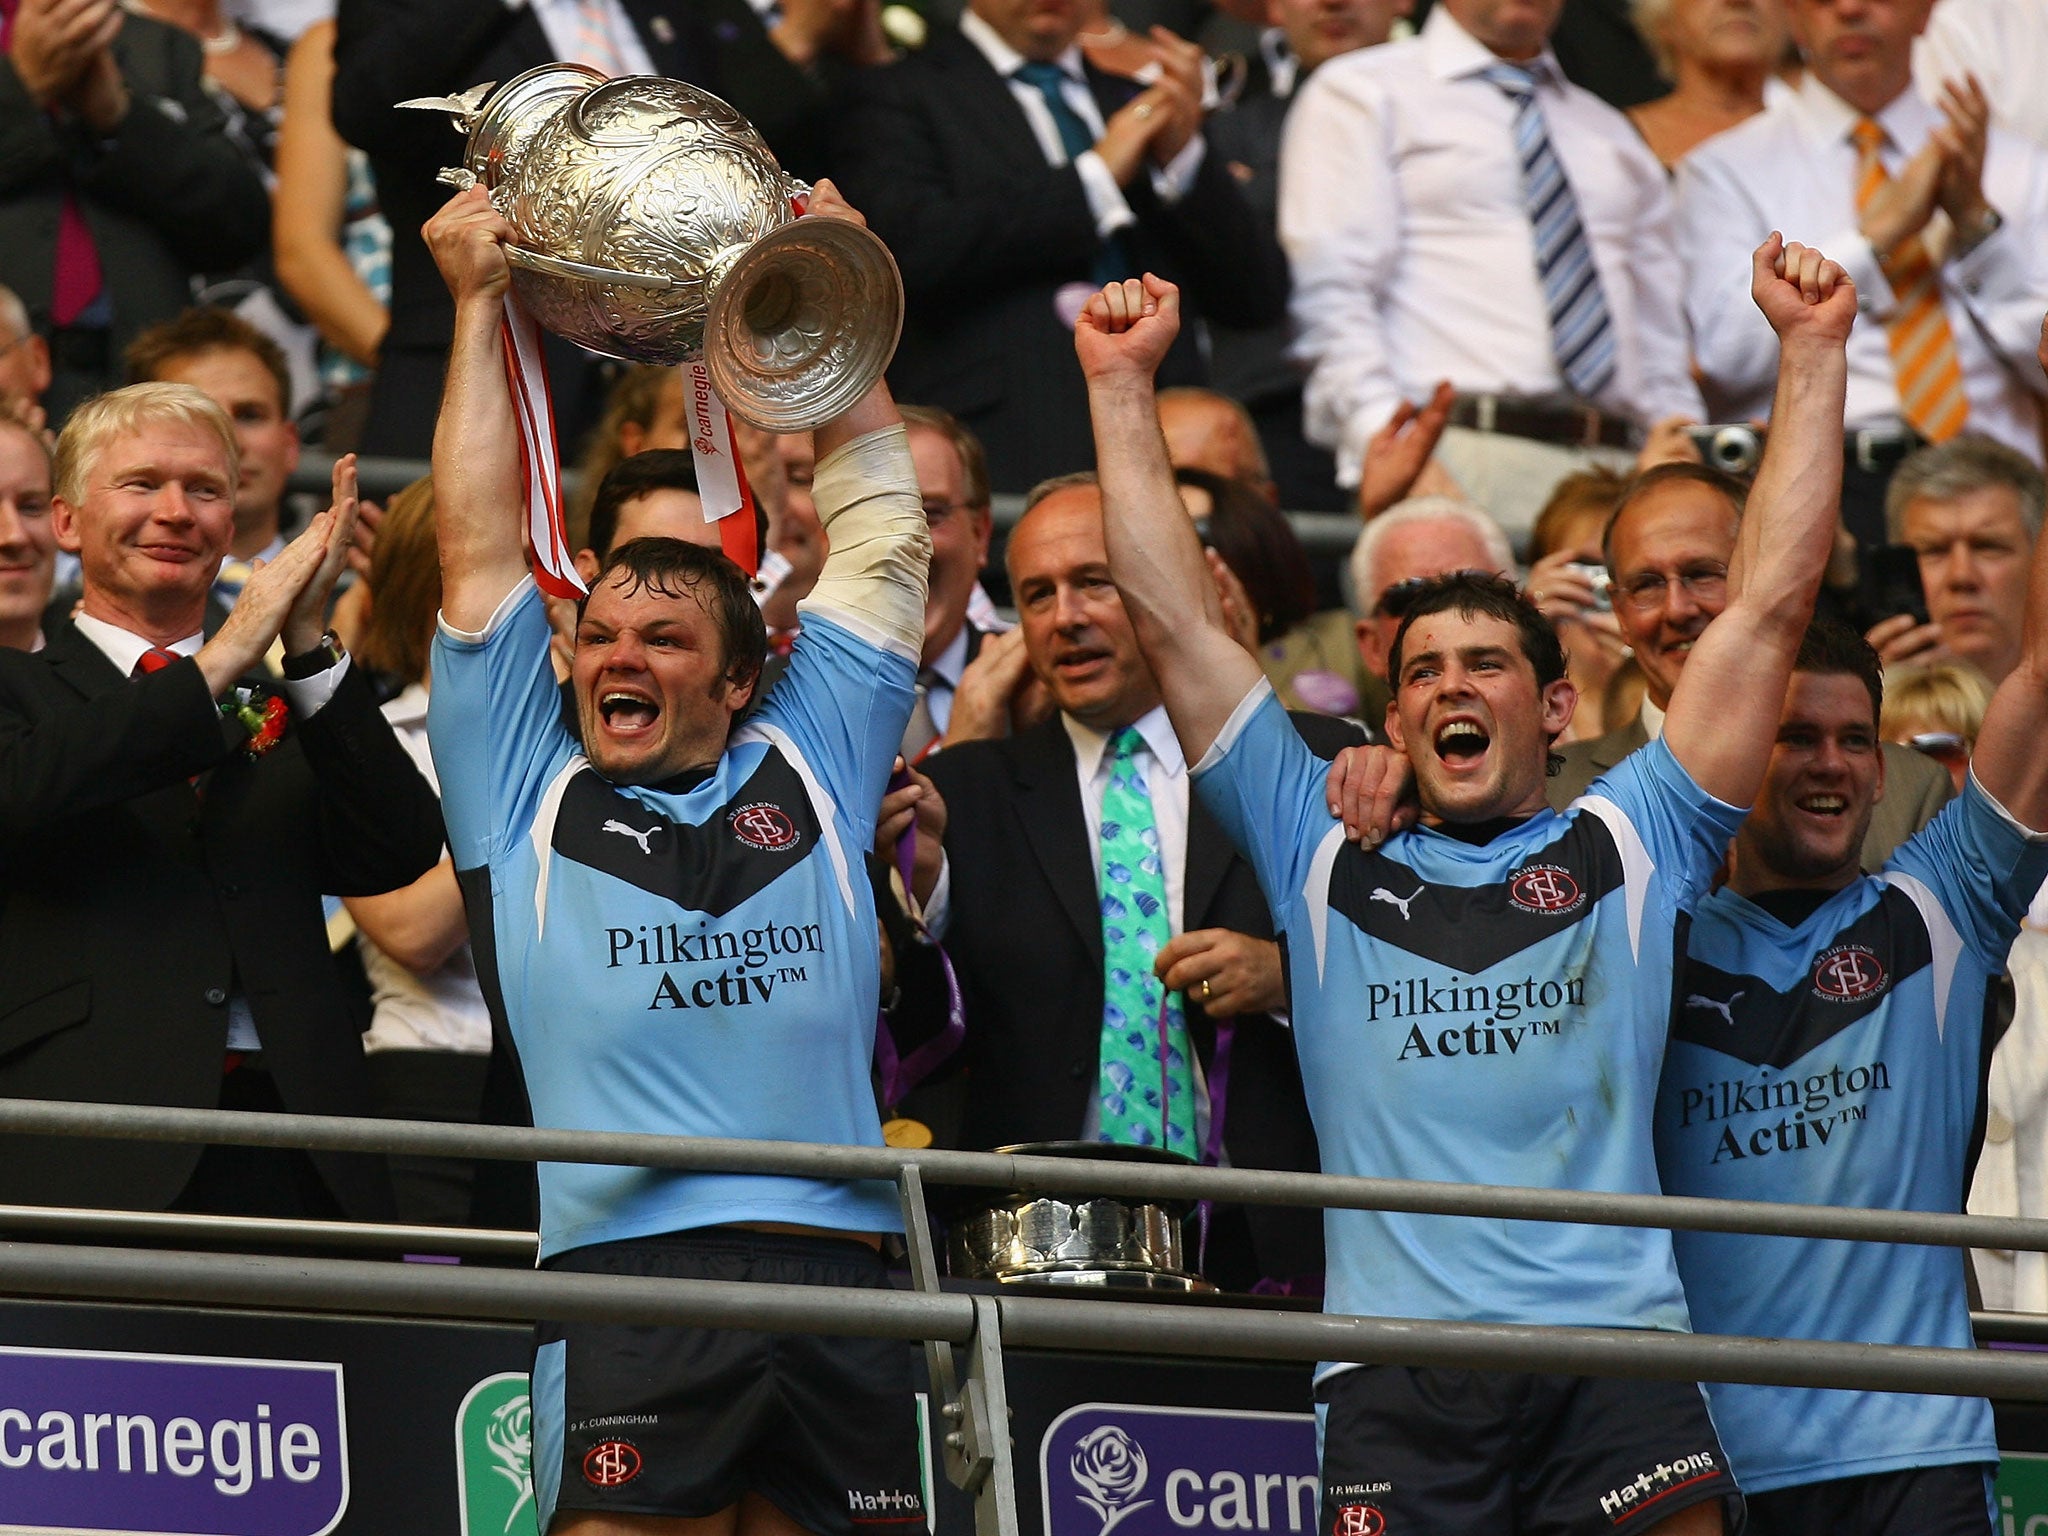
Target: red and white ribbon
{"type": "Point", "coordinates": [540, 464]}
{"type": "Point", "coordinates": [721, 480]}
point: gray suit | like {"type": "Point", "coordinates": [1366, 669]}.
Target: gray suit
{"type": "Point", "coordinates": [1915, 785]}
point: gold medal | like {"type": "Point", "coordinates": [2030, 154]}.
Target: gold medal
{"type": "Point", "coordinates": [909, 1135]}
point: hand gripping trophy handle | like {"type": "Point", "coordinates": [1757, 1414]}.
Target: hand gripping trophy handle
{"type": "Point", "coordinates": [654, 225]}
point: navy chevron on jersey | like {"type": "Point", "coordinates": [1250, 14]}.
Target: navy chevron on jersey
{"type": "Point", "coordinates": [699, 961]}
{"type": "Point", "coordinates": [1492, 1013]}
{"type": "Point", "coordinates": [1840, 1062]}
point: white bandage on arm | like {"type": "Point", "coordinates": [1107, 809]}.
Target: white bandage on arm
{"type": "Point", "coordinates": [867, 498]}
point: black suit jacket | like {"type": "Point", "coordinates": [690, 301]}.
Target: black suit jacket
{"type": "Point", "coordinates": [388, 51]}
{"type": "Point", "coordinates": [166, 196]}
{"type": "Point", "coordinates": [131, 906]}
{"type": "Point", "coordinates": [940, 157]}
{"type": "Point", "coordinates": [1025, 936]}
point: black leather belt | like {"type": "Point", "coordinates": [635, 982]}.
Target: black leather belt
{"type": "Point", "coordinates": [1563, 422]}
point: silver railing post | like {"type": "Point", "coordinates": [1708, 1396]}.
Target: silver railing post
{"type": "Point", "coordinates": [981, 1440]}
{"type": "Point", "coordinates": [975, 1440]}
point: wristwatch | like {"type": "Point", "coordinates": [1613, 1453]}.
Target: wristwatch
{"type": "Point", "coordinates": [327, 652]}
{"type": "Point", "coordinates": [1967, 240]}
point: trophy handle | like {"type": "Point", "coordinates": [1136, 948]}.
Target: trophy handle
{"type": "Point", "coordinates": [556, 266]}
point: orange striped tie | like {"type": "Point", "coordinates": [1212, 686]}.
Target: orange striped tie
{"type": "Point", "coordinates": [1930, 380]}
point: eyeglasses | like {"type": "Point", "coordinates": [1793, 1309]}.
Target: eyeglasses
{"type": "Point", "coordinates": [1395, 601]}
{"type": "Point", "coordinates": [1648, 589]}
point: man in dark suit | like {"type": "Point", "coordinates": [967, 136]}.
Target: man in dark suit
{"type": "Point", "coordinates": [1668, 548]}
{"type": "Point", "coordinates": [117, 182]}
{"type": "Point", "coordinates": [1008, 176]}
{"type": "Point", "coordinates": [161, 935]}
{"type": "Point", "coordinates": [388, 51]}
{"type": "Point", "coordinates": [1029, 850]}
{"type": "Point", "coordinates": [952, 477]}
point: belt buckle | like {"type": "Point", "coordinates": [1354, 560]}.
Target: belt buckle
{"type": "Point", "coordinates": [1590, 423]}
{"type": "Point", "coordinates": [1867, 443]}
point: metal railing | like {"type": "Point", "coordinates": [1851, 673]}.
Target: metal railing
{"type": "Point", "coordinates": [971, 1392]}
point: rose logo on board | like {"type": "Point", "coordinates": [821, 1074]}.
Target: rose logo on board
{"type": "Point", "coordinates": [494, 1457]}
{"type": "Point", "coordinates": [1110, 1467]}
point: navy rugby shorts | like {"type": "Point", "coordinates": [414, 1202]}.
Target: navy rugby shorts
{"type": "Point", "coordinates": [1915, 1501]}
{"type": "Point", "coordinates": [683, 1421]}
{"type": "Point", "coordinates": [1409, 1450]}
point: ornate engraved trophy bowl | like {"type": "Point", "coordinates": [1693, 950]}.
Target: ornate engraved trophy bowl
{"type": "Point", "coordinates": [654, 225]}
{"type": "Point", "coordinates": [1102, 1241]}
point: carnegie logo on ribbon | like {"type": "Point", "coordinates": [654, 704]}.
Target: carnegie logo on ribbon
{"type": "Point", "coordinates": [170, 1445]}
{"type": "Point", "coordinates": [1149, 1471]}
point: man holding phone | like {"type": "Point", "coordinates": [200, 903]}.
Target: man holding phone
{"type": "Point", "coordinates": [1970, 510]}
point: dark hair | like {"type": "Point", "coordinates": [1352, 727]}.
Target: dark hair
{"type": "Point", "coordinates": [1257, 543]}
{"type": "Point", "coordinates": [199, 331]}
{"type": "Point", "coordinates": [1730, 486]}
{"type": "Point", "coordinates": [1479, 594]}
{"type": "Point", "coordinates": [1831, 648]}
{"type": "Point", "coordinates": [674, 568]}
{"type": "Point", "coordinates": [658, 469]}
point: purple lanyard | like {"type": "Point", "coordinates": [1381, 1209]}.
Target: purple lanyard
{"type": "Point", "coordinates": [900, 1075]}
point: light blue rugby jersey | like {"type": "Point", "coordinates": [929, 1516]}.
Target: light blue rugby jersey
{"type": "Point", "coordinates": [1491, 1014]}
{"type": "Point", "coordinates": [703, 963]}
{"type": "Point", "coordinates": [1841, 1063]}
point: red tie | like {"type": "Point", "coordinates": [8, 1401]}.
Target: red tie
{"type": "Point", "coordinates": [155, 659]}
{"type": "Point", "coordinates": [75, 279]}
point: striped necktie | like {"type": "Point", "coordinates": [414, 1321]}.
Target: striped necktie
{"type": "Point", "coordinates": [1581, 330]}
{"type": "Point", "coordinates": [595, 44]}
{"type": "Point", "coordinates": [1930, 379]}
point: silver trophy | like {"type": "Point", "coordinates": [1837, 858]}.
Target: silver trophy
{"type": "Point", "coordinates": [654, 225]}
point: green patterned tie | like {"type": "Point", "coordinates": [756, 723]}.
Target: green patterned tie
{"type": "Point", "coordinates": [1134, 928]}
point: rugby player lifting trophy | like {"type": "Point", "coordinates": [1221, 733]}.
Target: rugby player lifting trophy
{"type": "Point", "coordinates": [652, 224]}
{"type": "Point", "coordinates": [665, 900]}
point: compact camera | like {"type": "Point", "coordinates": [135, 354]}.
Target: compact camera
{"type": "Point", "coordinates": [1736, 447]}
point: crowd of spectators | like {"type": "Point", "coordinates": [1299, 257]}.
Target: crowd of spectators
{"type": "Point", "coordinates": [1471, 277]}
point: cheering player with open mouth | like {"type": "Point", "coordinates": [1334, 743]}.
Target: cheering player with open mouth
{"type": "Point", "coordinates": [1485, 997]}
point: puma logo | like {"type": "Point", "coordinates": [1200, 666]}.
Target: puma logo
{"type": "Point", "coordinates": [1381, 893]}
{"type": "Point", "coordinates": [633, 832]}
{"type": "Point", "coordinates": [1726, 1010]}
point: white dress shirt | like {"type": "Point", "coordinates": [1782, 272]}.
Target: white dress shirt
{"type": "Point", "coordinates": [1794, 168]}
{"type": "Point", "coordinates": [2004, 43]}
{"type": "Point", "coordinates": [1402, 211]}
{"type": "Point", "coordinates": [1105, 197]}
{"type": "Point", "coordinates": [443, 1009]}
{"type": "Point", "coordinates": [1166, 777]}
